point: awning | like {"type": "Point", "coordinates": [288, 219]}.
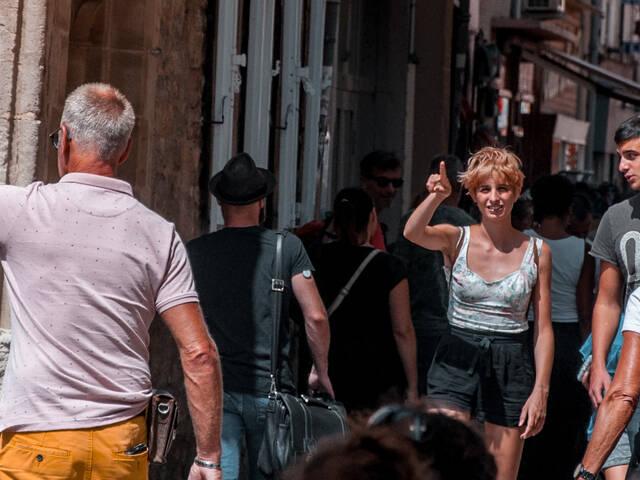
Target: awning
{"type": "Point", "coordinates": [586, 74]}
{"type": "Point", "coordinates": [571, 130]}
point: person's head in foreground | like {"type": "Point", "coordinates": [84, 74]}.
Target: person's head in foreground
{"type": "Point", "coordinates": [450, 448]}
{"type": "Point", "coordinates": [494, 180]}
{"type": "Point", "coordinates": [378, 453]}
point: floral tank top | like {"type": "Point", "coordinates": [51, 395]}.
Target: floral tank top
{"type": "Point", "coordinates": [497, 306]}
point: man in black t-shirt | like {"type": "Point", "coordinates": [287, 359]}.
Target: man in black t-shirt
{"type": "Point", "coordinates": [428, 286]}
{"type": "Point", "coordinates": [233, 269]}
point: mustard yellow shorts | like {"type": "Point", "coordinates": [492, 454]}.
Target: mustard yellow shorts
{"type": "Point", "coordinates": [85, 454]}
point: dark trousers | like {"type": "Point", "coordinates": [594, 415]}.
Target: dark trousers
{"type": "Point", "coordinates": [554, 452]}
{"type": "Point", "coordinates": [426, 345]}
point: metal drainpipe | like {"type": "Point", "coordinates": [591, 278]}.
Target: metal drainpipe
{"type": "Point", "coordinates": [461, 48]}
{"type": "Point", "coordinates": [410, 99]}
{"type": "Point", "coordinates": [516, 8]}
{"type": "Point", "coordinates": [596, 24]}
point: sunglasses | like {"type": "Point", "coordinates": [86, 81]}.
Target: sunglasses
{"type": "Point", "coordinates": [384, 182]}
{"type": "Point", "coordinates": [55, 138]}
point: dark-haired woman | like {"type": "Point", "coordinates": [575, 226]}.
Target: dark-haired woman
{"type": "Point", "coordinates": [559, 448]}
{"type": "Point", "coordinates": [372, 355]}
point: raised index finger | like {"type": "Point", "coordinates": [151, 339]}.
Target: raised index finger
{"type": "Point", "coordinates": [443, 171]}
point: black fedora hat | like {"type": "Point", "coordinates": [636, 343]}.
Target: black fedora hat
{"type": "Point", "coordinates": [240, 182]}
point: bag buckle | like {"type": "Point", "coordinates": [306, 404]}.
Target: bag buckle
{"type": "Point", "coordinates": [273, 389]}
{"type": "Point", "coordinates": [277, 285]}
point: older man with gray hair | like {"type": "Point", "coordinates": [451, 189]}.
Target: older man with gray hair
{"type": "Point", "coordinates": [88, 267]}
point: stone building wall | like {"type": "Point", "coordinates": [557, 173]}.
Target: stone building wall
{"type": "Point", "coordinates": [175, 165]}
{"type": "Point", "coordinates": [22, 32]}
{"type": "Point", "coordinates": [21, 55]}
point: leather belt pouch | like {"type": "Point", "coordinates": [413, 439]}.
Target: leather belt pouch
{"type": "Point", "coordinates": [162, 423]}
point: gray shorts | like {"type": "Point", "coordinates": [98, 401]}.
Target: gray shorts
{"type": "Point", "coordinates": [621, 453]}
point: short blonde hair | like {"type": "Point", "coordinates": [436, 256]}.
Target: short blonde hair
{"type": "Point", "coordinates": [489, 160]}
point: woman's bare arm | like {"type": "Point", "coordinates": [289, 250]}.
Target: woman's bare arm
{"type": "Point", "coordinates": [404, 335]}
{"type": "Point", "coordinates": [534, 412]}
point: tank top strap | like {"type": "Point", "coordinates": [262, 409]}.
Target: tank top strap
{"type": "Point", "coordinates": [462, 245]}
{"type": "Point", "coordinates": [534, 249]}
{"type": "Point", "coordinates": [539, 244]}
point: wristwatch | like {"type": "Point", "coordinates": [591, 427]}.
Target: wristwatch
{"type": "Point", "coordinates": [581, 473]}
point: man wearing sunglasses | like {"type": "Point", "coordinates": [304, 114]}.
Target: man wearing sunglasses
{"type": "Point", "coordinates": [89, 267]}
{"type": "Point", "coordinates": [381, 178]}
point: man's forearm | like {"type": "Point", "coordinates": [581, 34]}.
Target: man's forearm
{"type": "Point", "coordinates": [604, 327]}
{"type": "Point", "coordinates": [203, 383]}
{"type": "Point", "coordinates": [618, 406]}
{"type": "Point", "coordinates": [318, 335]}
{"type": "Point", "coordinates": [613, 415]}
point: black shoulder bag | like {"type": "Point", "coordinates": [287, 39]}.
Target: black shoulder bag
{"type": "Point", "coordinates": [294, 423]}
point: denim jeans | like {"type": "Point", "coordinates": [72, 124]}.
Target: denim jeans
{"type": "Point", "coordinates": [242, 424]}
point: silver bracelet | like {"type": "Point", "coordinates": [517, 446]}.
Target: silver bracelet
{"type": "Point", "coordinates": [207, 464]}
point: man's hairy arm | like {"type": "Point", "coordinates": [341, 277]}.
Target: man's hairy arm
{"type": "Point", "coordinates": [618, 405]}
{"type": "Point", "coordinates": [202, 378]}
{"type": "Point", "coordinates": [317, 328]}
{"type": "Point", "coordinates": [606, 315]}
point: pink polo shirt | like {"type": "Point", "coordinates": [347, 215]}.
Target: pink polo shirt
{"type": "Point", "coordinates": [88, 267]}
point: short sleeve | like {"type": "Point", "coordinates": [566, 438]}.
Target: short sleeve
{"type": "Point", "coordinates": [603, 246]}
{"type": "Point", "coordinates": [397, 270]}
{"type": "Point", "coordinates": [177, 286]}
{"type": "Point", "coordinates": [632, 313]}
{"type": "Point", "coordinates": [12, 201]}
{"type": "Point", "coordinates": [299, 260]}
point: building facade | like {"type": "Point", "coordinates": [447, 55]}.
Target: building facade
{"type": "Point", "coordinates": [308, 87]}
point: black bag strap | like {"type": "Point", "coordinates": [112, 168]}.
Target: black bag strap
{"type": "Point", "coordinates": [347, 288]}
{"type": "Point", "coordinates": [277, 290]}
{"type": "Point", "coordinates": [299, 419]}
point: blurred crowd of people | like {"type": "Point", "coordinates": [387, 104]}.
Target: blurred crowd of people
{"type": "Point", "coordinates": [371, 339]}
{"type": "Point", "coordinates": [476, 345]}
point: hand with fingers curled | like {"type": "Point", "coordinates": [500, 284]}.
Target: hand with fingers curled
{"type": "Point", "coordinates": [320, 383]}
{"type": "Point", "coordinates": [534, 412]}
{"type": "Point", "coordinates": [438, 183]}
{"type": "Point", "coordinates": [599, 381]}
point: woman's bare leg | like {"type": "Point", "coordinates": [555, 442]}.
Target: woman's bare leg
{"type": "Point", "coordinates": [505, 445]}
{"type": "Point", "coordinates": [446, 408]}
